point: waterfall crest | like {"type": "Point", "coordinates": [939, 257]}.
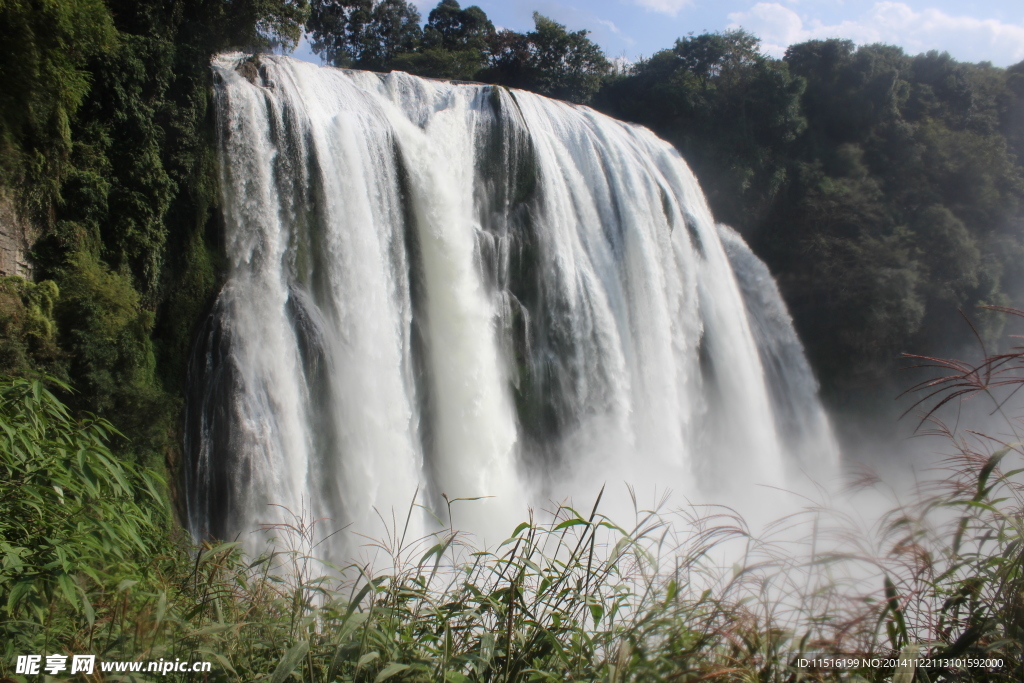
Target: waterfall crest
{"type": "Point", "coordinates": [462, 290]}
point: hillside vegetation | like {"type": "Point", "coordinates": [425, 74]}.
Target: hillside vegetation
{"type": "Point", "coordinates": [107, 141]}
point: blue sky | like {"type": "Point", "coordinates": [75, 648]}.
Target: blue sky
{"type": "Point", "coordinates": [970, 31]}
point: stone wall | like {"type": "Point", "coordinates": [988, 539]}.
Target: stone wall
{"type": "Point", "coordinates": [16, 237]}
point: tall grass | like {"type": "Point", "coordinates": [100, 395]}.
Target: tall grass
{"type": "Point", "coordinates": [91, 567]}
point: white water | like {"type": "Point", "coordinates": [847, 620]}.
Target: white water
{"type": "Point", "coordinates": [469, 291]}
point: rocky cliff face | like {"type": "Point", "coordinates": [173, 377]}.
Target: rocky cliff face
{"type": "Point", "coordinates": [16, 237]}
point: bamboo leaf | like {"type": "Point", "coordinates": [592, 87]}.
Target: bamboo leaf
{"type": "Point", "coordinates": [904, 672]}
{"type": "Point", "coordinates": [289, 661]}
{"type": "Point", "coordinates": [366, 659]}
{"type": "Point", "coordinates": [389, 671]}
{"type": "Point", "coordinates": [571, 522]}
{"type": "Point", "coordinates": [67, 586]}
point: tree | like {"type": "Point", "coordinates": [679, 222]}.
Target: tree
{"type": "Point", "coordinates": [712, 56]}
{"type": "Point", "coordinates": [566, 64]}
{"type": "Point", "coordinates": [732, 112]}
{"type": "Point", "coordinates": [454, 43]}
{"type": "Point", "coordinates": [883, 190]}
{"type": "Point", "coordinates": [509, 55]}
{"type": "Point", "coordinates": [849, 92]}
{"type": "Point", "coordinates": [453, 28]}
{"type": "Point", "coordinates": [44, 49]}
{"type": "Point", "coordinates": [364, 34]}
{"type": "Point", "coordinates": [549, 60]}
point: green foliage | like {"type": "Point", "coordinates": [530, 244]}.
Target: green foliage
{"type": "Point", "coordinates": [951, 255]}
{"type": "Point", "coordinates": [28, 331]}
{"type": "Point", "coordinates": [883, 190]}
{"type": "Point", "coordinates": [106, 332]}
{"type": "Point", "coordinates": [581, 598]}
{"type": "Point", "coordinates": [731, 111]}
{"type": "Point", "coordinates": [452, 28]}
{"type": "Point", "coordinates": [925, 131]}
{"type": "Point", "coordinates": [213, 25]}
{"type": "Point", "coordinates": [712, 55]}
{"type": "Point", "coordinates": [89, 566]}
{"type": "Point", "coordinates": [549, 60]}
{"type": "Point", "coordinates": [364, 34]}
{"type": "Point", "coordinates": [70, 515]}
{"type": "Point", "coordinates": [564, 64]}
{"type": "Point", "coordinates": [44, 48]}
{"type": "Point", "coordinates": [457, 43]}
{"type": "Point", "coordinates": [271, 23]}
{"type": "Point", "coordinates": [120, 190]}
{"type": "Point", "coordinates": [462, 65]}
{"type": "Point", "coordinates": [128, 217]}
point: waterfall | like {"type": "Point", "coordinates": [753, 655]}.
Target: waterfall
{"type": "Point", "coordinates": [441, 291]}
{"type": "Point", "coordinates": [800, 419]}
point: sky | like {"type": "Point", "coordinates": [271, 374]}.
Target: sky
{"type": "Point", "coordinates": [970, 31]}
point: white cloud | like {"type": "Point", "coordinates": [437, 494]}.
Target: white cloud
{"type": "Point", "coordinates": [670, 7]}
{"type": "Point", "coordinates": [609, 24]}
{"type": "Point", "coordinates": [966, 38]}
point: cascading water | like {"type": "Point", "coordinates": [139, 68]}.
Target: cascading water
{"type": "Point", "coordinates": [468, 291]}
{"type": "Point", "coordinates": [800, 420]}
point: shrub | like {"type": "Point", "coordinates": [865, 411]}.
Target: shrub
{"type": "Point", "coordinates": [71, 516]}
